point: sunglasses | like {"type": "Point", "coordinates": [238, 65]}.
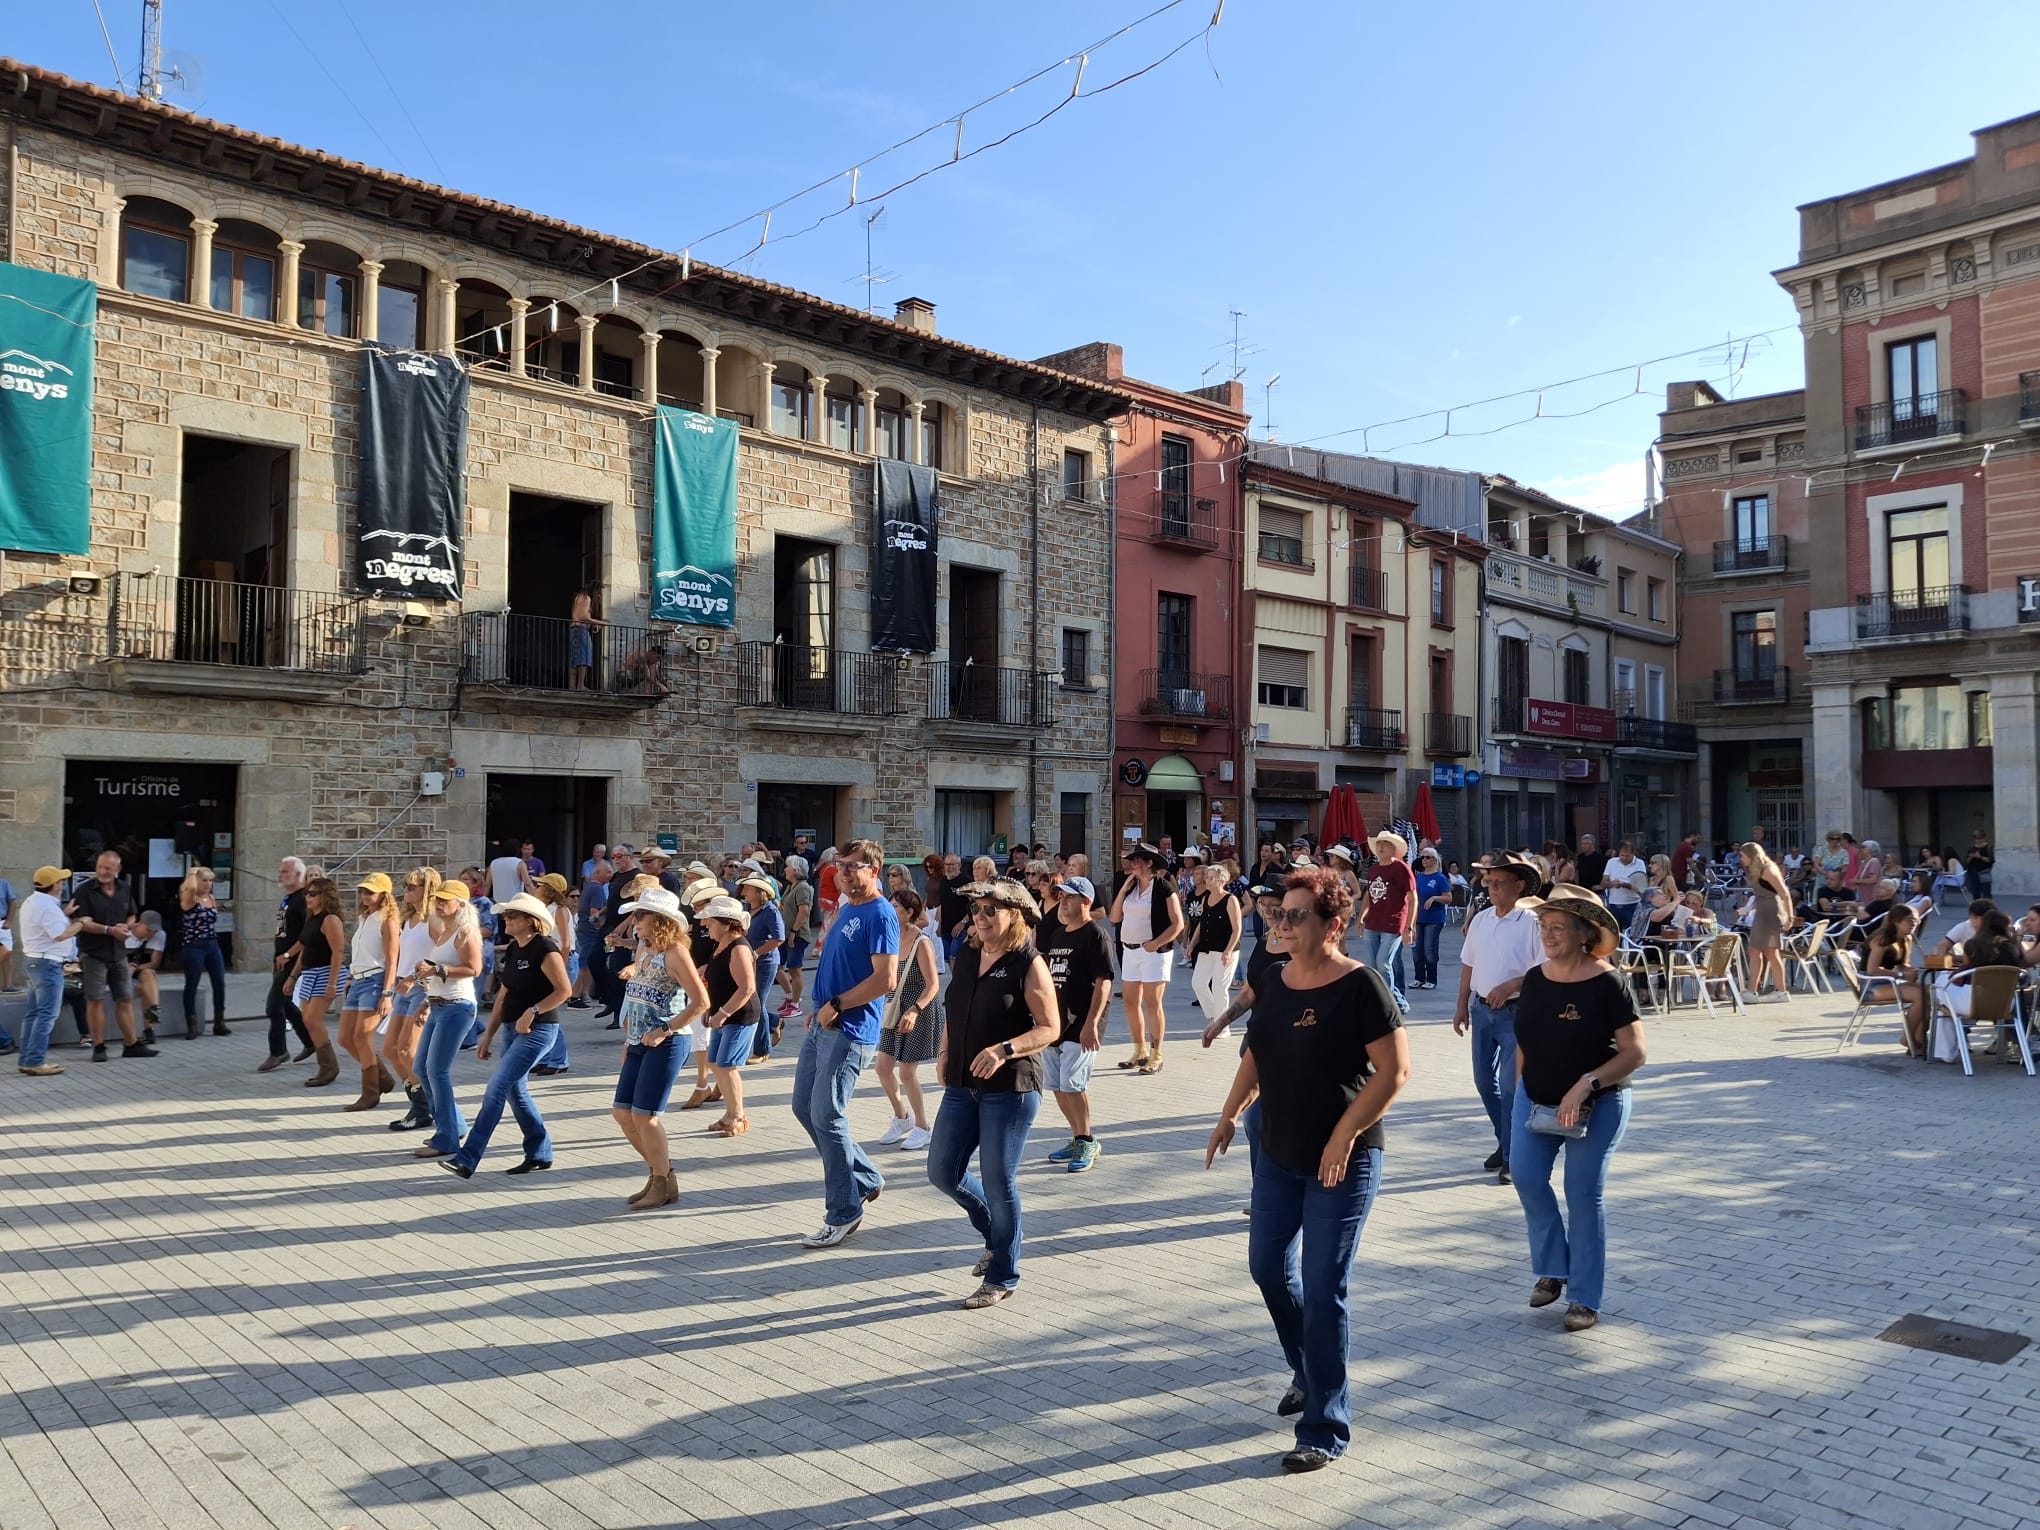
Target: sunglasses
{"type": "Point", "coordinates": [984, 909]}
{"type": "Point", "coordinates": [1288, 916]}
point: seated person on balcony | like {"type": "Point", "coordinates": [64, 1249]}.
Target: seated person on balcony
{"type": "Point", "coordinates": [644, 666]}
{"type": "Point", "coordinates": [581, 642]}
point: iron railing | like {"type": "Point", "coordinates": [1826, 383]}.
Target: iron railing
{"type": "Point", "coordinates": [1449, 733]}
{"type": "Point", "coordinates": [1921, 417]}
{"type": "Point", "coordinates": [1508, 713]}
{"type": "Point", "coordinates": [1913, 613]}
{"type": "Point", "coordinates": [985, 693]}
{"type": "Point", "coordinates": [1734, 686]}
{"type": "Point", "coordinates": [1185, 522]}
{"type": "Point", "coordinates": [1370, 587]}
{"type": "Point", "coordinates": [176, 619]}
{"type": "Point", "coordinates": [1185, 693]}
{"type": "Point", "coordinates": [2029, 397]}
{"type": "Point", "coordinates": [1751, 555]}
{"type": "Point", "coordinates": [545, 653]}
{"type": "Point", "coordinates": [807, 679]}
{"type": "Point", "coordinates": [1372, 728]}
{"type": "Point", "coordinates": [1657, 733]}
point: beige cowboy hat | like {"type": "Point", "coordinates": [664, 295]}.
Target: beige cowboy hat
{"type": "Point", "coordinates": [1565, 898]}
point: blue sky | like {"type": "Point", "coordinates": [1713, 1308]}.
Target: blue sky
{"type": "Point", "coordinates": [1415, 207]}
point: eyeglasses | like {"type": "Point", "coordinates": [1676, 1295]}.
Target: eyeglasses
{"type": "Point", "coordinates": [1288, 916]}
{"type": "Point", "coordinates": [984, 910]}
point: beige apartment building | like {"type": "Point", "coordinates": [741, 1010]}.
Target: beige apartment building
{"type": "Point", "coordinates": [1365, 634]}
{"type": "Point", "coordinates": [207, 683]}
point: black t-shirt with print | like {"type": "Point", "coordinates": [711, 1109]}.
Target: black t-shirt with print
{"type": "Point", "coordinates": [1310, 1051]}
{"type": "Point", "coordinates": [985, 1009]}
{"type": "Point", "coordinates": [521, 971]}
{"type": "Point", "coordinates": [290, 921]}
{"type": "Point", "coordinates": [1076, 959]}
{"type": "Point", "coordinates": [1568, 1029]}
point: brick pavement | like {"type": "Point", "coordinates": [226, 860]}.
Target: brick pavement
{"type": "Point", "coordinates": [228, 1304]}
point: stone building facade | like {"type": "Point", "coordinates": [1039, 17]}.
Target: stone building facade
{"type": "Point", "coordinates": [208, 674]}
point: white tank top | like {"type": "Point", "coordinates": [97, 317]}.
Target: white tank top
{"type": "Point", "coordinates": [462, 989]}
{"type": "Point", "coordinates": [412, 945]}
{"type": "Point", "coordinates": [368, 956]}
{"type": "Point", "coordinates": [1137, 915]}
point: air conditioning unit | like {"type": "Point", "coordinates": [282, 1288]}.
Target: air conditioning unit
{"type": "Point", "coordinates": [1260, 733]}
{"type": "Point", "coordinates": [1187, 703]}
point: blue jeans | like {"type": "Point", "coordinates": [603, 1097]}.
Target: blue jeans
{"type": "Point", "coordinates": [446, 1026]}
{"type": "Point", "coordinates": [1576, 1254]}
{"type": "Point", "coordinates": [1300, 1246]}
{"type": "Point", "coordinates": [45, 998]}
{"type": "Point", "coordinates": [1380, 950]}
{"type": "Point", "coordinates": [202, 959]}
{"type": "Point", "coordinates": [823, 1081]}
{"type": "Point", "coordinates": [1427, 952]}
{"type": "Point", "coordinates": [768, 973]}
{"type": "Point", "coordinates": [1494, 1063]}
{"type": "Point", "coordinates": [556, 1054]}
{"type": "Point", "coordinates": [511, 1084]}
{"type": "Point", "coordinates": [994, 1126]}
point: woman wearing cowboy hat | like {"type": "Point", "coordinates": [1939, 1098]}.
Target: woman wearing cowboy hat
{"type": "Point", "coordinates": [1388, 908]}
{"type": "Point", "coordinates": [731, 973]}
{"type": "Point", "coordinates": [1578, 1041]}
{"type": "Point", "coordinates": [1150, 918]}
{"type": "Point", "coordinates": [662, 995]}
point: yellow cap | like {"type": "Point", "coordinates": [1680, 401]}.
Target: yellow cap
{"type": "Point", "coordinates": [375, 882]}
{"type": "Point", "coordinates": [555, 881]}
{"type": "Point", "coordinates": [453, 890]}
{"type": "Point", "coordinates": [49, 876]}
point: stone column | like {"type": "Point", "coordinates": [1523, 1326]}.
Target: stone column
{"type": "Point", "coordinates": [202, 231]}
{"type": "Point", "coordinates": [519, 308]}
{"type": "Point", "coordinates": [818, 405]}
{"type": "Point", "coordinates": [287, 281]}
{"type": "Point", "coordinates": [766, 369]}
{"type": "Point", "coordinates": [914, 429]}
{"type": "Point", "coordinates": [1837, 745]}
{"type": "Point", "coordinates": [649, 383]}
{"type": "Point", "coordinates": [867, 400]}
{"type": "Point", "coordinates": [709, 354]}
{"type": "Point", "coordinates": [371, 279]}
{"type": "Point", "coordinates": [448, 316]}
{"type": "Point", "coordinates": [585, 323]}
{"type": "Point", "coordinates": [2015, 785]}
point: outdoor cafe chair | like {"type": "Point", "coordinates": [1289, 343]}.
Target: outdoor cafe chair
{"type": "Point", "coordinates": [1870, 989]}
{"type": "Point", "coordinates": [1803, 952]}
{"type": "Point", "coordinates": [1993, 1001]}
{"type": "Point", "coordinates": [1634, 959]}
{"type": "Point", "coordinates": [1716, 970]}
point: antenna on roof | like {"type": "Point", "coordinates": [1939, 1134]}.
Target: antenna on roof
{"type": "Point", "coordinates": [151, 71]}
{"type": "Point", "coordinates": [871, 276]}
{"type": "Point", "coordinates": [1268, 406]}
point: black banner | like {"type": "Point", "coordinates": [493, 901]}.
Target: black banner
{"type": "Point", "coordinates": [414, 408]}
{"type": "Point", "coordinates": [906, 520]}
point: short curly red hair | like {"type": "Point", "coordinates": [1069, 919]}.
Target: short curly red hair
{"type": "Point", "coordinates": [1333, 898]}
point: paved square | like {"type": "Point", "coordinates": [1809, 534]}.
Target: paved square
{"type": "Point", "coordinates": [228, 1304]}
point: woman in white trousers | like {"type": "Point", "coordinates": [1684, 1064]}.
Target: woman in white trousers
{"type": "Point", "coordinates": [1216, 942]}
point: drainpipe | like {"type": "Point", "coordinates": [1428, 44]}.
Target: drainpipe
{"type": "Point", "coordinates": [1111, 638]}
{"type": "Point", "coordinates": [1033, 598]}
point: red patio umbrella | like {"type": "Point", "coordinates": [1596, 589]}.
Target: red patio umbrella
{"type": "Point", "coordinates": [1334, 825]}
{"type": "Point", "coordinates": [1358, 823]}
{"type": "Point", "coordinates": [1424, 814]}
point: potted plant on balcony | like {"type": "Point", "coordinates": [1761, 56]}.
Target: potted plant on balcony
{"type": "Point", "coordinates": [1588, 563]}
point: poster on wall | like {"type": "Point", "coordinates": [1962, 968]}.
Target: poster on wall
{"type": "Point", "coordinates": [694, 519]}
{"type": "Point", "coordinates": [46, 324]}
{"type": "Point", "coordinates": [413, 492]}
{"type": "Point", "coordinates": [906, 525]}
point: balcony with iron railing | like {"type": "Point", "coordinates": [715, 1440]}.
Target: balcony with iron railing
{"type": "Point", "coordinates": [988, 696]}
{"type": "Point", "coordinates": [173, 633]}
{"type": "Point", "coordinates": [1760, 687]}
{"type": "Point", "coordinates": [1448, 733]}
{"type": "Point", "coordinates": [517, 658]}
{"type": "Point", "coordinates": [1752, 555]}
{"type": "Point", "coordinates": [1911, 615]}
{"type": "Point", "coordinates": [798, 678]}
{"type": "Point", "coordinates": [1377, 731]}
{"type": "Point", "coordinates": [1922, 417]}
{"type": "Point", "coordinates": [1185, 693]}
{"type": "Point", "coordinates": [1369, 587]}
{"type": "Point", "coordinates": [1657, 733]}
{"type": "Point", "coordinates": [1181, 521]}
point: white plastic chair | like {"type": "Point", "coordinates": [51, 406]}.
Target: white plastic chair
{"type": "Point", "coordinates": [1803, 952]}
{"type": "Point", "coordinates": [1866, 987]}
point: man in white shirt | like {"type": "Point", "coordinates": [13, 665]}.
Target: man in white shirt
{"type": "Point", "coordinates": [47, 941]}
{"type": "Point", "coordinates": [1502, 944]}
{"type": "Point", "coordinates": [1622, 883]}
{"type": "Point", "coordinates": [508, 875]}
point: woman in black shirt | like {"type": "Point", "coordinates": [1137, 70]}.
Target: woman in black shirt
{"type": "Point", "coordinates": [532, 984]}
{"type": "Point", "coordinates": [1577, 1042]}
{"type": "Point", "coordinates": [1327, 1055]}
{"type": "Point", "coordinates": [1001, 1010]}
{"type": "Point", "coordinates": [1214, 942]}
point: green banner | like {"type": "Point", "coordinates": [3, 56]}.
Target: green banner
{"type": "Point", "coordinates": [45, 411]}
{"type": "Point", "coordinates": [694, 519]}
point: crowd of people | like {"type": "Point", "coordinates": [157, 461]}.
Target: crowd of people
{"type": "Point", "coordinates": [1000, 978]}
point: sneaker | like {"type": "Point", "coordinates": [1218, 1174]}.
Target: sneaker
{"type": "Point", "coordinates": [99, 1052]}
{"type": "Point", "coordinates": [830, 1234]}
{"type": "Point", "coordinates": [916, 1139]}
{"type": "Point", "coordinates": [577, 1004]}
{"type": "Point", "coordinates": [138, 1049]}
{"type": "Point", "coordinates": [1064, 1153]}
{"type": "Point", "coordinates": [789, 1010]}
{"type": "Point", "coordinates": [1306, 1458]}
{"type": "Point", "coordinates": [895, 1129]}
{"type": "Point", "coordinates": [42, 1070]}
{"type": "Point", "coordinates": [986, 1295]}
{"type": "Point", "coordinates": [1496, 1160]}
{"type": "Point", "coordinates": [1087, 1155]}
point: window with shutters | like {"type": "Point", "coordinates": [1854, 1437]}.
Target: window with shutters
{"type": "Point", "coordinates": [1284, 677]}
{"type": "Point", "coordinates": [1284, 535]}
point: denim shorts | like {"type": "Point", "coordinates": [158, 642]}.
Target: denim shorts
{"type": "Point", "coordinates": [98, 974]}
{"type": "Point", "coordinates": [311, 984]}
{"type": "Point", "coordinates": [1066, 1068]}
{"type": "Point", "coordinates": [364, 992]}
{"type": "Point", "coordinates": [796, 953]}
{"type": "Point", "coordinates": [646, 1081]}
{"type": "Point", "coordinates": [407, 1005]}
{"type": "Point", "coordinates": [729, 1046]}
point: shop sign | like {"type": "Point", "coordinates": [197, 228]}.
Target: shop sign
{"type": "Point", "coordinates": [1551, 717]}
{"type": "Point", "coordinates": [1448, 775]}
{"type": "Point", "coordinates": [1582, 770]}
{"type": "Point", "coordinates": [2029, 598]}
{"type": "Point", "coordinates": [1597, 723]}
{"type": "Point", "coordinates": [1529, 764]}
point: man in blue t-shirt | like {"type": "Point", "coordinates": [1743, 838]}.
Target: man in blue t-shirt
{"type": "Point", "coordinates": [854, 975]}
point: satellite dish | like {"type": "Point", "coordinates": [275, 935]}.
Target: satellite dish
{"type": "Point", "coordinates": [184, 79]}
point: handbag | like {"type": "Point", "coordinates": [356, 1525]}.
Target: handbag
{"type": "Point", "coordinates": [1544, 1118]}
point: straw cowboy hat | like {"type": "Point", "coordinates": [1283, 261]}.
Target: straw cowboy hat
{"type": "Point", "coordinates": [1583, 905]}
{"type": "Point", "coordinates": [1393, 840]}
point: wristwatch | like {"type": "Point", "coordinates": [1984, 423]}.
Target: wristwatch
{"type": "Point", "coordinates": [1594, 1085]}
{"type": "Point", "coordinates": [1006, 1050]}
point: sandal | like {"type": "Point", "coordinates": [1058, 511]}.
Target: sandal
{"type": "Point", "coordinates": [735, 1128]}
{"type": "Point", "coordinates": [701, 1097]}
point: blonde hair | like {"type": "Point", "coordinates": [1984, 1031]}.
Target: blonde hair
{"type": "Point", "coordinates": [660, 931]}
{"type": "Point", "coordinates": [1214, 876]}
{"type": "Point", "coordinates": [197, 882]}
{"type": "Point", "coordinates": [464, 919]}
{"type": "Point", "coordinates": [430, 881]}
{"type": "Point", "coordinates": [1763, 871]}
{"type": "Point", "coordinates": [391, 909]}
{"type": "Point", "coordinates": [1022, 933]}
{"type": "Point", "coordinates": [983, 869]}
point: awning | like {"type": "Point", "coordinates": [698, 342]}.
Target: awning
{"type": "Point", "coordinates": [1173, 773]}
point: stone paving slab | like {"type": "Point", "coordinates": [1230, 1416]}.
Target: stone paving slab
{"type": "Point", "coordinates": [228, 1304]}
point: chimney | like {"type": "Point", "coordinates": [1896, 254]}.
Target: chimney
{"type": "Point", "coordinates": [916, 313]}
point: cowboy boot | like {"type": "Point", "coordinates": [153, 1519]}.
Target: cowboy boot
{"type": "Point", "coordinates": [370, 1096]}
{"type": "Point", "coordinates": [329, 1066]}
